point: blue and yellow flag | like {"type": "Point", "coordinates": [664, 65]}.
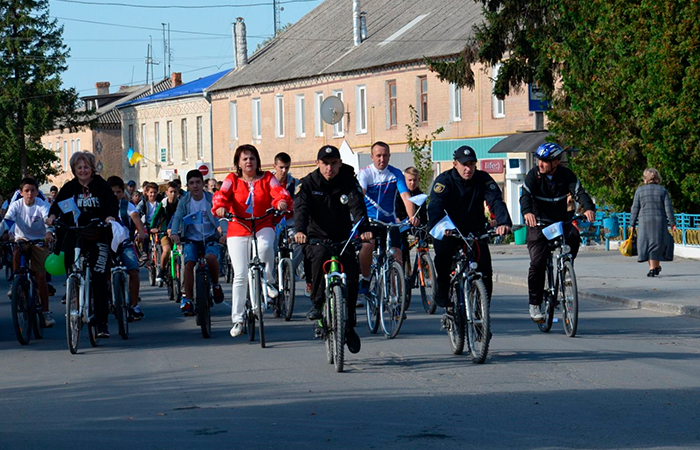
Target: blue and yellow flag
{"type": "Point", "coordinates": [133, 156]}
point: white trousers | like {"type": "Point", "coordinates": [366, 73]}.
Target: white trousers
{"type": "Point", "coordinates": [240, 249]}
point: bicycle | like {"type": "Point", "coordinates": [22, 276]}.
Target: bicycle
{"type": "Point", "coordinates": [80, 304]}
{"type": "Point", "coordinates": [7, 249]}
{"type": "Point", "coordinates": [120, 300]}
{"type": "Point", "coordinates": [226, 269]}
{"type": "Point", "coordinates": [386, 298]}
{"type": "Point", "coordinates": [331, 326]}
{"type": "Point", "coordinates": [468, 318]}
{"type": "Point", "coordinates": [423, 273]}
{"type": "Point", "coordinates": [255, 300]}
{"type": "Point", "coordinates": [203, 296]}
{"type": "Point", "coordinates": [26, 304]}
{"type": "Point", "coordinates": [154, 253]}
{"type": "Point", "coordinates": [172, 272]}
{"type": "Point", "coordinates": [284, 303]}
{"type": "Point", "coordinates": [564, 282]}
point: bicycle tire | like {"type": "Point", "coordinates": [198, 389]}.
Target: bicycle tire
{"type": "Point", "coordinates": [478, 321]}
{"type": "Point", "coordinates": [260, 296]}
{"type": "Point", "coordinates": [410, 281]}
{"type": "Point", "coordinates": [73, 319]}
{"type": "Point", "coordinates": [339, 322]}
{"type": "Point", "coordinates": [177, 282]}
{"type": "Point", "coordinates": [38, 324]}
{"type": "Point", "coordinates": [455, 324]}
{"type": "Point", "coordinates": [426, 281]}
{"type": "Point", "coordinates": [92, 324]}
{"type": "Point", "coordinates": [151, 274]}
{"type": "Point", "coordinates": [159, 254]}
{"type": "Point", "coordinates": [569, 300]}
{"type": "Point", "coordinates": [250, 319]}
{"type": "Point", "coordinates": [327, 325]}
{"type": "Point", "coordinates": [119, 297]}
{"type": "Point", "coordinates": [169, 281]}
{"type": "Point", "coordinates": [373, 299]}
{"type": "Point", "coordinates": [21, 314]}
{"type": "Point", "coordinates": [547, 308]}
{"type": "Point", "coordinates": [287, 290]}
{"type": "Point", "coordinates": [393, 306]}
{"type": "Point", "coordinates": [202, 304]}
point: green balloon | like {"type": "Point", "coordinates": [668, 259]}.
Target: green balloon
{"type": "Point", "coordinates": [55, 264]}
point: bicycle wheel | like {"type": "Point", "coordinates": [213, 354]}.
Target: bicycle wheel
{"type": "Point", "coordinates": [250, 319]}
{"type": "Point", "coordinates": [287, 290]}
{"type": "Point", "coordinates": [21, 314]}
{"type": "Point", "coordinates": [159, 254]}
{"type": "Point", "coordinates": [202, 293]}
{"type": "Point", "coordinates": [151, 273]}
{"type": "Point", "coordinates": [338, 331]}
{"type": "Point", "coordinates": [426, 281]}
{"type": "Point", "coordinates": [38, 324]}
{"type": "Point", "coordinates": [547, 309]}
{"type": "Point", "coordinates": [393, 306]}
{"type": "Point", "coordinates": [169, 281]}
{"type": "Point", "coordinates": [92, 323]}
{"type": "Point", "coordinates": [119, 297]}
{"type": "Point", "coordinates": [569, 299]}
{"type": "Point", "coordinates": [73, 320]}
{"type": "Point", "coordinates": [374, 298]}
{"type": "Point", "coordinates": [260, 301]}
{"type": "Point", "coordinates": [177, 282]}
{"type": "Point", "coordinates": [327, 326]}
{"type": "Point", "coordinates": [478, 321]}
{"type": "Point", "coordinates": [455, 322]}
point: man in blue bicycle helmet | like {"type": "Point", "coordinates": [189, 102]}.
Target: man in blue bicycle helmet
{"type": "Point", "coordinates": [544, 199]}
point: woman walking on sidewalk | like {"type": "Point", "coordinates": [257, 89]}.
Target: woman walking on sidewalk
{"type": "Point", "coordinates": [652, 206]}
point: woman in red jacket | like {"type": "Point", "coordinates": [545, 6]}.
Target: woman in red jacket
{"type": "Point", "coordinates": [249, 189]}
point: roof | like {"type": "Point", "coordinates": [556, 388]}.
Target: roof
{"type": "Point", "coordinates": [321, 42]}
{"type": "Point", "coordinates": [192, 88]}
{"type": "Point", "coordinates": [109, 114]}
{"type": "Point", "coordinates": [525, 142]}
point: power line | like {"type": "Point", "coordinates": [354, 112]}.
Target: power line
{"type": "Point", "coordinates": [133, 5]}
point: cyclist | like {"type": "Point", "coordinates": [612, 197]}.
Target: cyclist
{"type": "Point", "coordinates": [160, 223]}
{"type": "Point", "coordinates": [328, 200]}
{"type": "Point", "coordinates": [194, 220]}
{"type": "Point", "coordinates": [94, 200]}
{"type": "Point", "coordinates": [544, 197]}
{"type": "Point", "coordinates": [380, 184]}
{"type": "Point", "coordinates": [130, 218]}
{"type": "Point", "coordinates": [460, 192]}
{"type": "Point", "coordinates": [147, 208]}
{"type": "Point", "coordinates": [249, 192]}
{"type": "Point", "coordinates": [28, 215]}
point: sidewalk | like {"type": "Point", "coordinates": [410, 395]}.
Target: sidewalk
{"type": "Point", "coordinates": [608, 276]}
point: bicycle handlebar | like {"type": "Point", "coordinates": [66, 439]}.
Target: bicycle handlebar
{"type": "Point", "coordinates": [566, 222]}
{"type": "Point", "coordinates": [271, 211]}
{"type": "Point", "coordinates": [403, 223]}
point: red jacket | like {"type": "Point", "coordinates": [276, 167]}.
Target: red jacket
{"type": "Point", "coordinates": [234, 195]}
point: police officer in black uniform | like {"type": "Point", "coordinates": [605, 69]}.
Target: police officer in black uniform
{"type": "Point", "coordinates": [461, 192]}
{"type": "Point", "coordinates": [327, 203]}
{"type": "Point", "coordinates": [544, 197]}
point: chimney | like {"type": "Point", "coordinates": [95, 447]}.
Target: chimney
{"type": "Point", "coordinates": [241, 44]}
{"type": "Point", "coordinates": [102, 87]}
{"type": "Point", "coordinates": [176, 79]}
{"type": "Point", "coordinates": [363, 26]}
{"type": "Point", "coordinates": [357, 38]}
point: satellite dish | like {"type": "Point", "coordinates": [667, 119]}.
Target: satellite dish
{"type": "Point", "coordinates": [332, 110]}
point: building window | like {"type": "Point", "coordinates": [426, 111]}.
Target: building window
{"type": "Point", "coordinates": [200, 139]}
{"type": "Point", "coordinates": [157, 139]}
{"type": "Point", "coordinates": [233, 121]}
{"type": "Point", "coordinates": [318, 121]}
{"type": "Point", "coordinates": [499, 106]}
{"type": "Point", "coordinates": [130, 137]}
{"type": "Point", "coordinates": [361, 109]}
{"type": "Point", "coordinates": [301, 116]}
{"type": "Point", "coordinates": [170, 141]}
{"type": "Point", "coordinates": [455, 103]}
{"type": "Point", "coordinates": [72, 147]}
{"type": "Point", "coordinates": [183, 136]}
{"type": "Point", "coordinates": [393, 111]}
{"type": "Point", "coordinates": [257, 119]}
{"type": "Point", "coordinates": [339, 128]}
{"type": "Point", "coordinates": [65, 155]}
{"type": "Point", "coordinates": [279, 116]}
{"type": "Point", "coordinates": [50, 146]}
{"type": "Point", "coordinates": [143, 143]}
{"type": "Point", "coordinates": [77, 145]}
{"type": "Point", "coordinates": [423, 99]}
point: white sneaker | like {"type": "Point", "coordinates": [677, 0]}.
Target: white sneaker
{"type": "Point", "coordinates": [536, 313]}
{"type": "Point", "coordinates": [9, 293]}
{"type": "Point", "coordinates": [48, 319]}
{"type": "Point", "coordinates": [272, 291]}
{"type": "Point", "coordinates": [237, 329]}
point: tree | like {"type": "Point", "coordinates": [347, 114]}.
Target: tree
{"type": "Point", "coordinates": [420, 147]}
{"type": "Point", "coordinates": [32, 102]}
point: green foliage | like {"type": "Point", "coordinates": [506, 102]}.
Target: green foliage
{"type": "Point", "coordinates": [281, 30]}
{"type": "Point", "coordinates": [627, 79]}
{"type": "Point", "coordinates": [32, 102]}
{"type": "Point", "coordinates": [420, 147]}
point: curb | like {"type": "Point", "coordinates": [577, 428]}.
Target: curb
{"type": "Point", "coordinates": [667, 308]}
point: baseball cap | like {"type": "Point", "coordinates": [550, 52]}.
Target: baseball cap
{"type": "Point", "coordinates": [328, 151]}
{"type": "Point", "coordinates": [131, 183]}
{"type": "Point", "coordinates": [464, 154]}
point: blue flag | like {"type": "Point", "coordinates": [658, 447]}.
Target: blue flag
{"type": "Point", "coordinates": [69, 206]}
{"type": "Point", "coordinates": [193, 219]}
{"type": "Point", "coordinates": [438, 231]}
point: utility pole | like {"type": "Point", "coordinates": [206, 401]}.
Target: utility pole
{"type": "Point", "coordinates": [276, 13]}
{"type": "Point", "coordinates": [165, 53]}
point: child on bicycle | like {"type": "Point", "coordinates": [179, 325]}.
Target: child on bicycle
{"type": "Point", "coordinates": [194, 221]}
{"type": "Point", "coordinates": [130, 219]}
{"type": "Point", "coordinates": [161, 222]}
{"type": "Point", "coordinates": [147, 208]}
{"type": "Point", "coordinates": [28, 215]}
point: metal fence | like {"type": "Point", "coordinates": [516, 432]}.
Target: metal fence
{"type": "Point", "coordinates": [687, 232]}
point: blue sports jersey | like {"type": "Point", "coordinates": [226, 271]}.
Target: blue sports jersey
{"type": "Point", "coordinates": [381, 188]}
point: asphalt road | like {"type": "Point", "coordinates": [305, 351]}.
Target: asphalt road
{"type": "Point", "coordinates": [631, 379]}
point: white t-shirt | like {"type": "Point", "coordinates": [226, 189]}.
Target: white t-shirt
{"type": "Point", "coordinates": [150, 210]}
{"type": "Point", "coordinates": [29, 220]}
{"type": "Point", "coordinates": [200, 232]}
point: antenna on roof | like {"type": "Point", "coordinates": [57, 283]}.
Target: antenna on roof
{"type": "Point", "coordinates": [332, 110]}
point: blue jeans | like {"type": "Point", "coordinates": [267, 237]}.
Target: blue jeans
{"type": "Point", "coordinates": [192, 250]}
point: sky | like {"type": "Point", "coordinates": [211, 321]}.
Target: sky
{"type": "Point", "coordinates": [109, 42]}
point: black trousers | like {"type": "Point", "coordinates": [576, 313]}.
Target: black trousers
{"type": "Point", "coordinates": [445, 250]}
{"type": "Point", "coordinates": [317, 256]}
{"type": "Point", "coordinates": [538, 246]}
